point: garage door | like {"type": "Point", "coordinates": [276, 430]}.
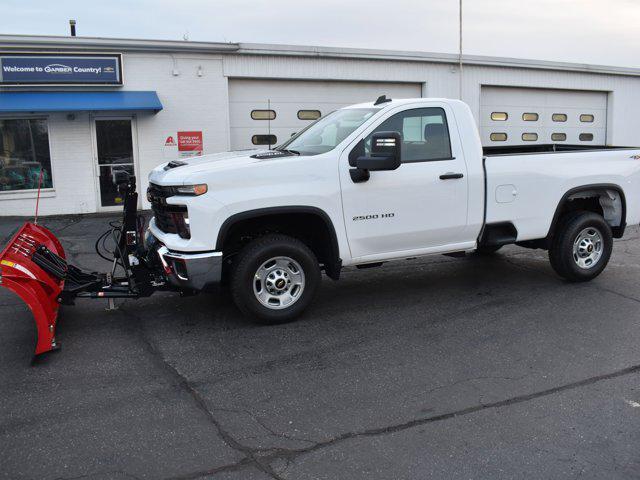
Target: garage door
{"type": "Point", "coordinates": [267, 112]}
{"type": "Point", "coordinates": [515, 116]}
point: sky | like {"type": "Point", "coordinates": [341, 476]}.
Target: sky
{"type": "Point", "coordinates": [604, 32]}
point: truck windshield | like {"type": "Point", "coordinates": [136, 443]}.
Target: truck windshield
{"type": "Point", "coordinates": [327, 132]}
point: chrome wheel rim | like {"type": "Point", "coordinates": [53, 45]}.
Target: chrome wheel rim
{"type": "Point", "coordinates": [587, 248]}
{"type": "Point", "coordinates": [278, 283]}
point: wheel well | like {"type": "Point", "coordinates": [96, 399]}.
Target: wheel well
{"type": "Point", "coordinates": [310, 226]}
{"type": "Point", "coordinates": [606, 200]}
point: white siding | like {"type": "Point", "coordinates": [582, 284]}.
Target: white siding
{"type": "Point", "coordinates": [441, 80]}
{"type": "Point", "coordinates": [623, 99]}
{"type": "Point", "coordinates": [545, 103]}
{"type": "Point", "coordinates": [288, 97]}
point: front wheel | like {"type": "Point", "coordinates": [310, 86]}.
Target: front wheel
{"type": "Point", "coordinates": [275, 279]}
{"type": "Point", "coordinates": [581, 246]}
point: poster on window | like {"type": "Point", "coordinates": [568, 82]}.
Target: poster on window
{"type": "Point", "coordinates": [190, 144]}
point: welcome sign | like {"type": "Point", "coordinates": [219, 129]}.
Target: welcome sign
{"type": "Point", "coordinates": [68, 69]}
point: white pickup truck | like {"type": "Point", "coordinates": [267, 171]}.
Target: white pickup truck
{"type": "Point", "coordinates": [378, 182]}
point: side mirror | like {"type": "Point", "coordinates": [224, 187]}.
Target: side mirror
{"type": "Point", "coordinates": [386, 154]}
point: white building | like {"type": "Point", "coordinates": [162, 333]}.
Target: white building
{"type": "Point", "coordinates": [164, 99]}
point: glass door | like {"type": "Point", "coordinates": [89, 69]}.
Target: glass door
{"type": "Point", "coordinates": [114, 150]}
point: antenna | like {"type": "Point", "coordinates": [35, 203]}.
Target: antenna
{"type": "Point", "coordinates": [460, 53]}
{"type": "Point", "coordinates": [382, 99]}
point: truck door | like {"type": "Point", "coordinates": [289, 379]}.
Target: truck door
{"type": "Point", "coordinates": [420, 207]}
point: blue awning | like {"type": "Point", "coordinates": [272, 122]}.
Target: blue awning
{"type": "Point", "coordinates": [78, 101]}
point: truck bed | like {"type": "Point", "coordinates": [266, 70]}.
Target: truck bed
{"type": "Point", "coordinates": [525, 184]}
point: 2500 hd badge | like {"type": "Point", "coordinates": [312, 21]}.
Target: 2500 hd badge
{"type": "Point", "coordinates": [373, 217]}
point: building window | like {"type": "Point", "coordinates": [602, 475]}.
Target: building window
{"type": "Point", "coordinates": [24, 152]}
{"type": "Point", "coordinates": [559, 117]}
{"type": "Point", "coordinates": [498, 137]}
{"type": "Point", "coordinates": [264, 140]}
{"type": "Point", "coordinates": [530, 117]}
{"type": "Point", "coordinates": [558, 137]}
{"type": "Point", "coordinates": [586, 137]}
{"type": "Point", "coordinates": [586, 117]}
{"type": "Point", "coordinates": [529, 137]}
{"type": "Point", "coordinates": [263, 114]}
{"type": "Point", "coordinates": [309, 114]}
{"type": "Point", "coordinates": [499, 116]}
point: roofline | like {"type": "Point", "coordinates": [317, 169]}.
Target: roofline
{"type": "Point", "coordinates": [17, 42]}
{"type": "Point", "coordinates": [429, 57]}
{"type": "Point", "coordinates": [21, 42]}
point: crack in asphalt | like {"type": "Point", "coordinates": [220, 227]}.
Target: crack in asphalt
{"type": "Point", "coordinates": [249, 459]}
{"type": "Point", "coordinates": [268, 456]}
{"type": "Point", "coordinates": [263, 425]}
{"type": "Point", "coordinates": [285, 454]}
{"type": "Point", "coordinates": [263, 458]}
{"type": "Point", "coordinates": [243, 464]}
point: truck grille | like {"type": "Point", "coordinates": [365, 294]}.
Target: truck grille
{"type": "Point", "coordinates": [169, 218]}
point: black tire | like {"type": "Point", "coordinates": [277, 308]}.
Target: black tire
{"type": "Point", "coordinates": [487, 249]}
{"type": "Point", "coordinates": [250, 260]}
{"type": "Point", "coordinates": [561, 253]}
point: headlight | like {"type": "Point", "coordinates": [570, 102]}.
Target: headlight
{"type": "Point", "coordinates": [194, 190]}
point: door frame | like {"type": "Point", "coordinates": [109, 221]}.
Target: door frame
{"type": "Point", "coordinates": [94, 149]}
{"type": "Point", "coordinates": [457, 152]}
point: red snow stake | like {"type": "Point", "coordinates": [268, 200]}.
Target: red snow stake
{"type": "Point", "coordinates": [39, 289]}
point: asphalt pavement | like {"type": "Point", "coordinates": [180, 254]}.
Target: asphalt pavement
{"type": "Point", "coordinates": [456, 368]}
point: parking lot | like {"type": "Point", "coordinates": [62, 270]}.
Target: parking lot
{"type": "Point", "coordinates": [430, 368]}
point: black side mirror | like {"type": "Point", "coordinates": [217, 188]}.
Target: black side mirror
{"type": "Point", "coordinates": [386, 154]}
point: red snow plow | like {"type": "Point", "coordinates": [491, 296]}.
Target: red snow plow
{"type": "Point", "coordinates": [34, 266]}
{"type": "Point", "coordinates": [22, 270]}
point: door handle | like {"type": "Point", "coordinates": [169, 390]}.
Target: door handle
{"type": "Point", "coordinates": [451, 176]}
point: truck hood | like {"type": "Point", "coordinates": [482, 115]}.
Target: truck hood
{"type": "Point", "coordinates": [178, 171]}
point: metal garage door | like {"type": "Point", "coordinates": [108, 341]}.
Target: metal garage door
{"type": "Point", "coordinates": [263, 111]}
{"type": "Point", "coordinates": [515, 116]}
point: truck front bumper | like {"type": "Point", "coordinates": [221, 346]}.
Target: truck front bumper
{"type": "Point", "coordinates": [189, 271]}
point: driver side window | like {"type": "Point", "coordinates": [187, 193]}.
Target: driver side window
{"type": "Point", "coordinates": [424, 133]}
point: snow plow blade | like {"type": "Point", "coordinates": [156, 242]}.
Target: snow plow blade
{"type": "Point", "coordinates": [33, 266]}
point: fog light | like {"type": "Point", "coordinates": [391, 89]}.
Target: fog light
{"type": "Point", "coordinates": [181, 221]}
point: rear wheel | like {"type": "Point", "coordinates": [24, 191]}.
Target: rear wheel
{"type": "Point", "coordinates": [275, 279]}
{"type": "Point", "coordinates": [581, 246]}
